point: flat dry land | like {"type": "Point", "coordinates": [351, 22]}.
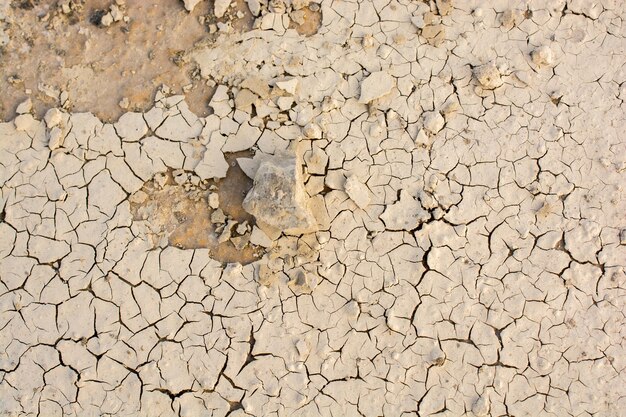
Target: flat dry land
{"type": "Point", "coordinates": [302, 208]}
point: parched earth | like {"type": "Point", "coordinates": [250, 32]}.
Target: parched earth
{"type": "Point", "coordinates": [343, 208]}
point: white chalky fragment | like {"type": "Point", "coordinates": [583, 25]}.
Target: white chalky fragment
{"type": "Point", "coordinates": [488, 76]}
{"type": "Point", "coordinates": [376, 85]}
{"type": "Point", "coordinates": [433, 122]}
{"type": "Point", "coordinates": [357, 191]}
{"type": "Point", "coordinates": [55, 138]}
{"type": "Point", "coordinates": [220, 7]}
{"type": "Point", "coordinates": [542, 55]}
{"type": "Point", "coordinates": [24, 107]}
{"type": "Point", "coordinates": [214, 200]}
{"type": "Point", "coordinates": [191, 4]}
{"type": "Point", "coordinates": [213, 163]}
{"type": "Point", "coordinates": [259, 238]}
{"type": "Point", "coordinates": [106, 20]}
{"type": "Point", "coordinates": [24, 122]}
{"type": "Point", "coordinates": [53, 117]}
{"type": "Point", "coordinates": [254, 6]}
{"type": "Point", "coordinates": [289, 85]}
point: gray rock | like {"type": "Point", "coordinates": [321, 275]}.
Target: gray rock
{"type": "Point", "coordinates": [278, 197]}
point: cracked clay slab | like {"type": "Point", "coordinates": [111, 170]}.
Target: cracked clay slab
{"type": "Point", "coordinates": [378, 208]}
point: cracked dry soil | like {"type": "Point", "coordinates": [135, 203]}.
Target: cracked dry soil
{"type": "Point", "coordinates": [312, 208]}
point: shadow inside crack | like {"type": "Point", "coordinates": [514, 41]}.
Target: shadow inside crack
{"type": "Point", "coordinates": [178, 209]}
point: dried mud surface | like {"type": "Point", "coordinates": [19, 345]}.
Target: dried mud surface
{"type": "Point", "coordinates": [312, 208]}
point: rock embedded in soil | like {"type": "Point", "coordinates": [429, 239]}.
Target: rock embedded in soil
{"type": "Point", "coordinates": [488, 76]}
{"type": "Point", "coordinates": [278, 197]}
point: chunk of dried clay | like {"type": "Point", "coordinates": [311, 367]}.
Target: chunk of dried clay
{"type": "Point", "coordinates": [302, 281]}
{"type": "Point", "coordinates": [405, 214]}
{"type": "Point", "coordinates": [278, 197]}
{"type": "Point", "coordinates": [488, 76]}
{"type": "Point", "coordinates": [220, 7]}
{"type": "Point", "coordinates": [24, 107]}
{"type": "Point", "coordinates": [433, 122]}
{"type": "Point", "coordinates": [259, 238]}
{"type": "Point", "coordinates": [542, 56]}
{"type": "Point", "coordinates": [53, 117]}
{"type": "Point", "coordinates": [511, 18]}
{"type": "Point", "coordinates": [289, 85]}
{"type": "Point", "coordinates": [376, 85]}
{"type": "Point", "coordinates": [190, 4]}
{"type": "Point", "coordinates": [357, 191]}
{"type": "Point", "coordinates": [55, 139]}
{"type": "Point", "coordinates": [214, 200]}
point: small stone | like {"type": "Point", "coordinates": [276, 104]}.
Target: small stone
{"type": "Point", "coordinates": [240, 242]}
{"type": "Point", "coordinates": [116, 13]}
{"type": "Point", "coordinates": [65, 6]}
{"type": "Point", "coordinates": [23, 122]}
{"type": "Point", "coordinates": [488, 76]}
{"type": "Point", "coordinates": [433, 122]}
{"type": "Point", "coordinates": [160, 179]}
{"type": "Point", "coordinates": [259, 238]}
{"type": "Point", "coordinates": [218, 217]}
{"type": "Point", "coordinates": [180, 176]}
{"type": "Point", "coordinates": [444, 7]}
{"type": "Point", "coordinates": [107, 20]}
{"type": "Point", "coordinates": [244, 99]}
{"type": "Point", "coordinates": [542, 56]}
{"type": "Point", "coordinates": [284, 103]}
{"type": "Point", "coordinates": [138, 197]}
{"type": "Point", "coordinates": [421, 138]}
{"type": "Point", "coordinates": [227, 232]}
{"type": "Point", "coordinates": [367, 41]}
{"type": "Point", "coordinates": [511, 18]}
{"type": "Point", "coordinates": [190, 4]}
{"type": "Point", "coordinates": [214, 200]}
{"type": "Point", "coordinates": [220, 7]}
{"type": "Point", "coordinates": [254, 6]}
{"type": "Point", "coordinates": [242, 228]}
{"type": "Point", "coordinates": [376, 85]}
{"type": "Point", "coordinates": [329, 104]}
{"type": "Point", "coordinates": [24, 107]}
{"type": "Point", "coordinates": [124, 103]}
{"type": "Point", "coordinates": [257, 86]}
{"type": "Point", "coordinates": [278, 197]}
{"type": "Point", "coordinates": [289, 85]}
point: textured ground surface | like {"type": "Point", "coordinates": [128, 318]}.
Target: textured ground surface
{"type": "Point", "coordinates": [464, 162]}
